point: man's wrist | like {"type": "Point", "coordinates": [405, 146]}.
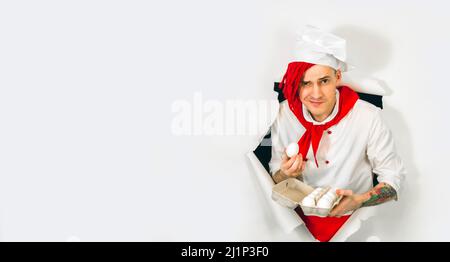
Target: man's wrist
{"type": "Point", "coordinates": [362, 198]}
{"type": "Point", "coordinates": [280, 176]}
{"type": "Point", "coordinates": [287, 176]}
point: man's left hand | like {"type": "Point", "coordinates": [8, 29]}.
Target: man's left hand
{"type": "Point", "coordinates": [348, 203]}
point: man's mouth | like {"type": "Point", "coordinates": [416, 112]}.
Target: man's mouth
{"type": "Point", "coordinates": [316, 103]}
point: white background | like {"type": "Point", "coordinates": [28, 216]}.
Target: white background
{"type": "Point", "coordinates": [86, 147]}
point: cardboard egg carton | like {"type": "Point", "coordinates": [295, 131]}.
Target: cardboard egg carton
{"type": "Point", "coordinates": [290, 193]}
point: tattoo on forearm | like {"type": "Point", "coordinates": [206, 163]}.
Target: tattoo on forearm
{"type": "Point", "coordinates": [380, 194]}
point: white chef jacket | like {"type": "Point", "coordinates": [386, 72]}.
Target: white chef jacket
{"type": "Point", "coordinates": [348, 153]}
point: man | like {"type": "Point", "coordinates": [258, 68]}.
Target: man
{"type": "Point", "coordinates": [343, 141]}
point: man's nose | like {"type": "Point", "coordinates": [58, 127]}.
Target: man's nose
{"type": "Point", "coordinates": [316, 92]}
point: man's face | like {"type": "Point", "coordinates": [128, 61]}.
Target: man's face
{"type": "Point", "coordinates": [318, 90]}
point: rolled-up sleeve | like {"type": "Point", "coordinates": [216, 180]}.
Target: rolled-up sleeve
{"type": "Point", "coordinates": [381, 152]}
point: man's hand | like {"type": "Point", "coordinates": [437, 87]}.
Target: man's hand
{"type": "Point", "coordinates": [290, 167]}
{"type": "Point", "coordinates": [380, 194]}
{"type": "Point", "coordinates": [348, 203]}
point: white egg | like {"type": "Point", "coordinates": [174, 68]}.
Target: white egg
{"type": "Point", "coordinates": [292, 149]}
{"type": "Point", "coordinates": [324, 203]}
{"type": "Point", "coordinates": [327, 199]}
{"type": "Point", "coordinates": [308, 201]}
{"type": "Point", "coordinates": [318, 190]}
{"type": "Point", "coordinates": [331, 194]}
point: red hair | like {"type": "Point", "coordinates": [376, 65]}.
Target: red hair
{"type": "Point", "coordinates": [291, 82]}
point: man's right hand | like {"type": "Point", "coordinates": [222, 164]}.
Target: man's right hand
{"type": "Point", "coordinates": [292, 167]}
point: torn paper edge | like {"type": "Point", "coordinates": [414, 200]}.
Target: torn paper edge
{"type": "Point", "coordinates": [287, 218]}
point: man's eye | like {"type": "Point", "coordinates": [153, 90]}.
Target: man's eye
{"type": "Point", "coordinates": [324, 81]}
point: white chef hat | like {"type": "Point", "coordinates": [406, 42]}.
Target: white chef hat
{"type": "Point", "coordinates": [319, 47]}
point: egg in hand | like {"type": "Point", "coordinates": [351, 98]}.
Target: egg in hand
{"type": "Point", "coordinates": [292, 149]}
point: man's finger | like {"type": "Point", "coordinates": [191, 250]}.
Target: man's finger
{"type": "Point", "coordinates": [337, 211]}
{"type": "Point", "coordinates": [303, 166]}
{"type": "Point", "coordinates": [284, 157]}
{"type": "Point", "coordinates": [343, 192]}
{"type": "Point", "coordinates": [333, 213]}
{"type": "Point", "coordinates": [289, 163]}
{"type": "Point", "coordinates": [285, 166]}
{"type": "Point", "coordinates": [300, 164]}
{"type": "Point", "coordinates": [294, 166]}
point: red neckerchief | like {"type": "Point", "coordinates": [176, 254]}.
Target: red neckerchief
{"type": "Point", "coordinates": [290, 85]}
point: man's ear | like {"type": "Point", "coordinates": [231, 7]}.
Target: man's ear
{"type": "Point", "coordinates": [338, 77]}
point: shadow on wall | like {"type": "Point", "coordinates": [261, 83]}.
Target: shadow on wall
{"type": "Point", "coordinates": [366, 49]}
{"type": "Point", "coordinates": [371, 52]}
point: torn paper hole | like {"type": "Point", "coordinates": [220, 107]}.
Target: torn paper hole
{"type": "Point", "coordinates": [287, 218]}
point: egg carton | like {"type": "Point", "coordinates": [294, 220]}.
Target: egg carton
{"type": "Point", "coordinates": [290, 193]}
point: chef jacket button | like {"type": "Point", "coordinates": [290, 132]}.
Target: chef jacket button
{"type": "Point", "coordinates": [327, 162]}
{"type": "Point", "coordinates": [329, 132]}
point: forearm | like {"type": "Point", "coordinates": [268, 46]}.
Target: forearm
{"type": "Point", "coordinates": [380, 194]}
{"type": "Point", "coordinates": [280, 176]}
